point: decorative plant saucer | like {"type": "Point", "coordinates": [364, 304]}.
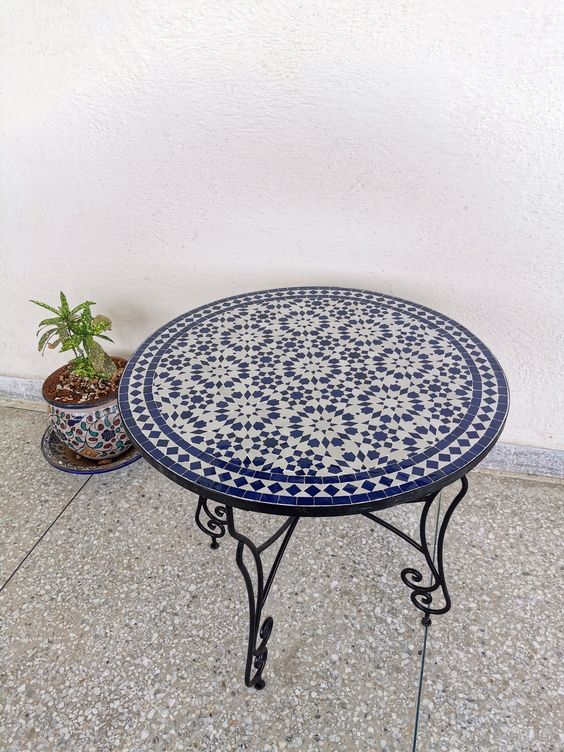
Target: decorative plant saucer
{"type": "Point", "coordinates": [60, 456]}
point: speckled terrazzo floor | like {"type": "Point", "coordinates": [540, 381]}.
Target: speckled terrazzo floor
{"type": "Point", "coordinates": [122, 630]}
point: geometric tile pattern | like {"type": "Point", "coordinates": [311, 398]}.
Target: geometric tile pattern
{"type": "Point", "coordinates": [313, 397]}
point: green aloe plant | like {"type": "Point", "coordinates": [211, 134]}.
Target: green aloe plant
{"type": "Point", "coordinates": [75, 329]}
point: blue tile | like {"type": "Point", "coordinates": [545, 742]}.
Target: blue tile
{"type": "Point", "coordinates": [287, 387]}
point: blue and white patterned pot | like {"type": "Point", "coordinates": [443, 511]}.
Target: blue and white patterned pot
{"type": "Point", "coordinates": [94, 430]}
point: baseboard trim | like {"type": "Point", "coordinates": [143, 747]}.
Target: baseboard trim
{"type": "Point", "coordinates": [21, 389]}
{"type": "Point", "coordinates": [527, 460]}
{"type": "Point", "coordinates": [509, 458]}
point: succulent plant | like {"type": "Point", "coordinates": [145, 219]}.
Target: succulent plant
{"type": "Point", "coordinates": [75, 329]}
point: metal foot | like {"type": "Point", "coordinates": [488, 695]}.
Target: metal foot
{"type": "Point", "coordinates": [210, 518]}
{"type": "Point", "coordinates": [257, 591]}
{"type": "Point", "coordinates": [422, 595]}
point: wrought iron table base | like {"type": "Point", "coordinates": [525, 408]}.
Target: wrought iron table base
{"type": "Point", "coordinates": [214, 520]}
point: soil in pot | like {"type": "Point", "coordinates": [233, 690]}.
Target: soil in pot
{"type": "Point", "coordinates": [65, 387]}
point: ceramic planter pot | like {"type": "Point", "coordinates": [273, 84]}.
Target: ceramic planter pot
{"type": "Point", "coordinates": [93, 430]}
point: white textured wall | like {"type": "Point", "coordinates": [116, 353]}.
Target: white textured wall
{"type": "Point", "coordinates": [157, 155]}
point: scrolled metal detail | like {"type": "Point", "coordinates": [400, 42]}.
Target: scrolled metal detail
{"type": "Point", "coordinates": [257, 591]}
{"type": "Point", "coordinates": [260, 654]}
{"type": "Point", "coordinates": [423, 594]}
{"type": "Point", "coordinates": [414, 577]}
{"type": "Point", "coordinates": [211, 521]}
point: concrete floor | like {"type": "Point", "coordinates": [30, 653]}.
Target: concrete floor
{"type": "Point", "coordinates": [122, 630]}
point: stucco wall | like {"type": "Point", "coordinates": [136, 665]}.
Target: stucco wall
{"type": "Point", "coordinates": [156, 156]}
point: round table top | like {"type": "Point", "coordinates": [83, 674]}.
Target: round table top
{"type": "Point", "coordinates": [313, 400]}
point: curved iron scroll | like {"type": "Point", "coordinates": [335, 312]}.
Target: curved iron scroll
{"type": "Point", "coordinates": [211, 520]}
{"type": "Point", "coordinates": [422, 595]}
{"type": "Point", "coordinates": [259, 634]}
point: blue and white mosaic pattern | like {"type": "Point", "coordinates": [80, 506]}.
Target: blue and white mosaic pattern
{"type": "Point", "coordinates": [313, 396]}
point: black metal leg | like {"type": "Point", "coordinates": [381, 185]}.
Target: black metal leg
{"type": "Point", "coordinates": [210, 518]}
{"type": "Point", "coordinates": [257, 651]}
{"type": "Point", "coordinates": [422, 595]}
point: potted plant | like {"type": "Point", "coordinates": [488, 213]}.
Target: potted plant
{"type": "Point", "coordinates": [82, 395]}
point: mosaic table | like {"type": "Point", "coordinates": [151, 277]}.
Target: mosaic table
{"type": "Point", "coordinates": [315, 401]}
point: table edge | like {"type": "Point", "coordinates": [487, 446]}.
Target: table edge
{"type": "Point", "coordinates": [338, 510]}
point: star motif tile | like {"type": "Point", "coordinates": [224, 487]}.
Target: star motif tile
{"type": "Point", "coordinates": [313, 397]}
